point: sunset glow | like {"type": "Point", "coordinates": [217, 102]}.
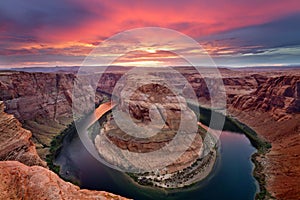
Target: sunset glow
{"type": "Point", "coordinates": [64, 32]}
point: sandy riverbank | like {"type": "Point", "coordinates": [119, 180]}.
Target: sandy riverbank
{"type": "Point", "coordinates": [197, 172]}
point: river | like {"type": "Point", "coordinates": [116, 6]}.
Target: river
{"type": "Point", "coordinates": [231, 177]}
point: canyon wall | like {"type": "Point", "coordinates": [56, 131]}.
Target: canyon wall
{"type": "Point", "coordinates": [24, 175]}
{"type": "Point", "coordinates": [42, 102]}
{"type": "Point", "coordinates": [268, 102]}
{"type": "Point", "coordinates": [15, 141]}
{"type": "Point", "coordinates": [273, 111]}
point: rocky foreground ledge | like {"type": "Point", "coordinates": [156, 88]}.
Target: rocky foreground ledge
{"type": "Point", "coordinates": [19, 181]}
{"type": "Point", "coordinates": [30, 179]}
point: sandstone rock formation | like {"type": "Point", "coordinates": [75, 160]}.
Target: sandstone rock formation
{"type": "Point", "coordinates": [19, 181]}
{"type": "Point", "coordinates": [158, 117]}
{"type": "Point", "coordinates": [267, 101]}
{"type": "Point", "coordinates": [273, 112]}
{"type": "Point", "coordinates": [42, 102]}
{"type": "Point", "coordinates": [15, 141]}
{"type": "Point", "coordinates": [278, 96]}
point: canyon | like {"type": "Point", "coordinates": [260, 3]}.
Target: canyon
{"type": "Point", "coordinates": [266, 101]}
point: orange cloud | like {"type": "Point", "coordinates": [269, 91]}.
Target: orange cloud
{"type": "Point", "coordinates": [74, 28]}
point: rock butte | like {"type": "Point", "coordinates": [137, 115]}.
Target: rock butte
{"type": "Point", "coordinates": [168, 111]}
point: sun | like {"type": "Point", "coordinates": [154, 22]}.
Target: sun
{"type": "Point", "coordinates": [151, 50]}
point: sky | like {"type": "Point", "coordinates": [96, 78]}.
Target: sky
{"type": "Point", "coordinates": [235, 33]}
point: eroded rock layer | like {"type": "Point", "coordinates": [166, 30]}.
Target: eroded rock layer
{"type": "Point", "coordinates": [19, 181]}
{"type": "Point", "coordinates": [156, 122]}
{"type": "Point", "coordinates": [15, 141]}
{"type": "Point", "coordinates": [31, 180]}
{"type": "Point", "coordinates": [42, 102]}
{"type": "Point", "coordinates": [273, 112]}
{"type": "Point", "coordinates": [267, 101]}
